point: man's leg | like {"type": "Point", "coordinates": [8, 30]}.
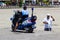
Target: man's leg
{"type": "Point", "coordinates": [46, 29]}
{"type": "Point", "coordinates": [16, 26]}
{"type": "Point", "coordinates": [50, 29]}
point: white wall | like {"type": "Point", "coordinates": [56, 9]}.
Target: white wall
{"type": "Point", "coordinates": [59, 0]}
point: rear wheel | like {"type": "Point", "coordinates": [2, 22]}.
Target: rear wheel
{"type": "Point", "coordinates": [30, 30]}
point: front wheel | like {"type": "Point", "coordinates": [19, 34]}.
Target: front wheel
{"type": "Point", "coordinates": [12, 27]}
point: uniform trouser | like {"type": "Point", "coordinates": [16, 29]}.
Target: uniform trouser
{"type": "Point", "coordinates": [24, 16]}
{"type": "Point", "coordinates": [47, 29]}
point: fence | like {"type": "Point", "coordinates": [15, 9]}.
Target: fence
{"type": "Point", "coordinates": [29, 6]}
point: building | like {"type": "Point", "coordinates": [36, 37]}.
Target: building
{"type": "Point", "coordinates": [24, 1]}
{"type": "Point", "coordinates": [17, 2]}
{"type": "Point", "coordinates": [30, 1]}
{"type": "Point", "coordinates": [4, 0]}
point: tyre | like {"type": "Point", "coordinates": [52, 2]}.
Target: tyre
{"type": "Point", "coordinates": [30, 30]}
{"type": "Point", "coordinates": [12, 28]}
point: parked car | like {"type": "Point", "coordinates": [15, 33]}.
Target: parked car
{"type": "Point", "coordinates": [2, 4]}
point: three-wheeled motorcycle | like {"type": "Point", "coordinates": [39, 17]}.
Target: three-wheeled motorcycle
{"type": "Point", "coordinates": [28, 24]}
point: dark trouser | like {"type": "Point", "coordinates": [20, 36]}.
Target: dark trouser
{"type": "Point", "coordinates": [47, 29]}
{"type": "Point", "coordinates": [14, 22]}
{"type": "Point", "coordinates": [24, 16]}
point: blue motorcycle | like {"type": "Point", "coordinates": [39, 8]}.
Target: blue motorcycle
{"type": "Point", "coordinates": [28, 24]}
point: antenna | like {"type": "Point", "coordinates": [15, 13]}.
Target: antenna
{"type": "Point", "coordinates": [32, 11]}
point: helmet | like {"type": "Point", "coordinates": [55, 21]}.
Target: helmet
{"type": "Point", "coordinates": [33, 19]}
{"type": "Point", "coordinates": [25, 7]}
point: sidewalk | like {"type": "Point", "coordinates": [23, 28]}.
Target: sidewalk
{"type": "Point", "coordinates": [13, 7]}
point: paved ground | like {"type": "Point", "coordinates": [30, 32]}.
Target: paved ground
{"type": "Point", "coordinates": [39, 33]}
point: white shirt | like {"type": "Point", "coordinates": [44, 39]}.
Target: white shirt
{"type": "Point", "coordinates": [34, 0]}
{"type": "Point", "coordinates": [25, 12]}
{"type": "Point", "coordinates": [49, 21]}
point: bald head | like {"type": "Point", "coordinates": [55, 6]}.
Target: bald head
{"type": "Point", "coordinates": [25, 7]}
{"type": "Point", "coordinates": [48, 16]}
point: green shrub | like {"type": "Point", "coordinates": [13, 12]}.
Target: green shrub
{"type": "Point", "coordinates": [20, 3]}
{"type": "Point", "coordinates": [46, 1]}
{"type": "Point", "coordinates": [8, 2]}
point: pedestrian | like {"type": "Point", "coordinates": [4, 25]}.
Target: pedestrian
{"type": "Point", "coordinates": [48, 22]}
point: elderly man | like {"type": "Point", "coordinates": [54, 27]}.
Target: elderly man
{"type": "Point", "coordinates": [48, 22]}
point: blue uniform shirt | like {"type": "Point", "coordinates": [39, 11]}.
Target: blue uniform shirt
{"type": "Point", "coordinates": [25, 12]}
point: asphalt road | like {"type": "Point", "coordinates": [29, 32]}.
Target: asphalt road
{"type": "Point", "coordinates": [39, 33]}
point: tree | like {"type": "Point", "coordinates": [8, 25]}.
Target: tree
{"type": "Point", "coordinates": [20, 3]}
{"type": "Point", "coordinates": [46, 2]}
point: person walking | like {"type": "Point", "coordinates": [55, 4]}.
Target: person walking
{"type": "Point", "coordinates": [48, 22]}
